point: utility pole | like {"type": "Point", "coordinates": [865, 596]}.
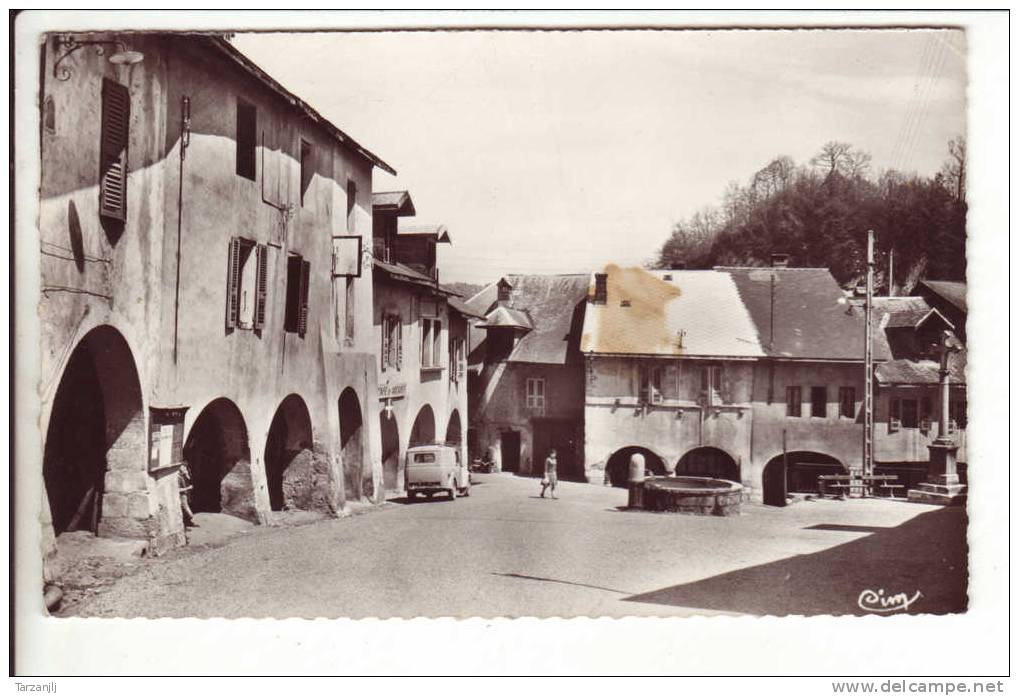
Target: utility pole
{"type": "Point", "coordinates": [891, 272]}
{"type": "Point", "coordinates": [868, 364]}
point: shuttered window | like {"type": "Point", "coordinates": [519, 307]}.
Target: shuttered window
{"type": "Point", "coordinates": [116, 118]}
{"type": "Point", "coordinates": [348, 311]}
{"type": "Point", "coordinates": [819, 402]}
{"type": "Point", "coordinates": [295, 319]}
{"type": "Point", "coordinates": [392, 341]}
{"type": "Point", "coordinates": [793, 402]}
{"type": "Point", "coordinates": [247, 276]}
{"type": "Point", "coordinates": [247, 125]}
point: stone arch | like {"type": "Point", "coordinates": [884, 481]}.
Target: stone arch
{"type": "Point", "coordinates": [288, 453]}
{"type": "Point", "coordinates": [352, 445]}
{"type": "Point", "coordinates": [796, 472]}
{"type": "Point", "coordinates": [618, 466]}
{"type": "Point", "coordinates": [95, 437]}
{"type": "Point", "coordinates": [219, 458]}
{"type": "Point", "coordinates": [711, 462]}
{"type": "Point", "coordinates": [423, 431]}
{"type": "Point", "coordinates": [390, 433]}
{"type": "Point", "coordinates": [454, 430]}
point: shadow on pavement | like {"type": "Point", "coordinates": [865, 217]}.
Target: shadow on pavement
{"type": "Point", "coordinates": [927, 554]}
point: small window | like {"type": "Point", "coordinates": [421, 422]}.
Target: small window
{"type": "Point", "coordinates": [424, 458]}
{"type": "Point", "coordinates": [307, 167]}
{"type": "Point", "coordinates": [894, 415]}
{"type": "Point", "coordinates": [650, 384]}
{"type": "Point", "coordinates": [711, 383]}
{"type": "Point", "coordinates": [296, 316]}
{"type": "Point", "coordinates": [113, 142]}
{"type": "Point", "coordinates": [847, 402]}
{"type": "Point", "coordinates": [957, 412]}
{"type": "Point", "coordinates": [348, 311]}
{"type": "Point", "coordinates": [247, 125]}
{"type": "Point", "coordinates": [455, 359]}
{"type": "Point", "coordinates": [793, 402]}
{"type": "Point", "coordinates": [431, 331]}
{"type": "Point", "coordinates": [392, 341]}
{"type": "Point", "coordinates": [246, 292]}
{"type": "Point", "coordinates": [818, 402]}
{"type": "Point", "coordinates": [925, 414]}
{"type": "Point", "coordinates": [351, 206]}
{"type": "Point", "coordinates": [909, 413]}
{"type": "Point", "coordinates": [536, 394]}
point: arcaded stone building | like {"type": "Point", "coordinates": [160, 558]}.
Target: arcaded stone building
{"type": "Point", "coordinates": [205, 292]}
{"type": "Point", "coordinates": [421, 337]}
{"type": "Point", "coordinates": [730, 372]}
{"type": "Point", "coordinates": [527, 373]}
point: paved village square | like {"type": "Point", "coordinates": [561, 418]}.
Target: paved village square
{"type": "Point", "coordinates": [263, 394]}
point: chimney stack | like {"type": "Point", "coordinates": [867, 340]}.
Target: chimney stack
{"type": "Point", "coordinates": [601, 292]}
{"type": "Point", "coordinates": [779, 260]}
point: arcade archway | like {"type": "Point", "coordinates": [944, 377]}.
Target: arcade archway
{"type": "Point", "coordinates": [454, 432]}
{"type": "Point", "coordinates": [352, 445]}
{"type": "Point", "coordinates": [710, 462]}
{"type": "Point", "coordinates": [423, 432]}
{"type": "Point", "coordinates": [220, 461]}
{"type": "Point", "coordinates": [288, 466]}
{"type": "Point", "coordinates": [618, 466]}
{"type": "Point", "coordinates": [796, 472]}
{"type": "Point", "coordinates": [96, 424]}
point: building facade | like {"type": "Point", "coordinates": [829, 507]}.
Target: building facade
{"type": "Point", "coordinates": [527, 373]}
{"type": "Point", "coordinates": [749, 374]}
{"type": "Point", "coordinates": [421, 335]}
{"type": "Point", "coordinates": [204, 294]}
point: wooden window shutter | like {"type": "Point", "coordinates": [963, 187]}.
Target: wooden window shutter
{"type": "Point", "coordinates": [387, 324]}
{"type": "Point", "coordinates": [302, 318]}
{"type": "Point", "coordinates": [116, 118]}
{"type": "Point", "coordinates": [262, 273]}
{"type": "Point", "coordinates": [399, 342]}
{"type": "Point", "coordinates": [233, 283]}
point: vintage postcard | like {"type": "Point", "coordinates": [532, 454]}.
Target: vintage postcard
{"type": "Point", "coordinates": [364, 316]}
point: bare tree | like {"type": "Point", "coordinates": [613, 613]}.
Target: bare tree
{"type": "Point", "coordinates": [954, 171]}
{"type": "Point", "coordinates": [842, 158]}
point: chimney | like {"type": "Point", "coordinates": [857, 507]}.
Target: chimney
{"type": "Point", "coordinates": [601, 293]}
{"type": "Point", "coordinates": [779, 260]}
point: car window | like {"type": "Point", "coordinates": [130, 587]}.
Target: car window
{"type": "Point", "coordinates": [424, 457]}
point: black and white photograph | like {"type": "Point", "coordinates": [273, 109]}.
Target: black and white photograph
{"type": "Point", "coordinates": [496, 317]}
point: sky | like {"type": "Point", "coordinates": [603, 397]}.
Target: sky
{"type": "Point", "coordinates": [560, 152]}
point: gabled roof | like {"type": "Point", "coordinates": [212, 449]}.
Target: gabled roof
{"type": "Point", "coordinates": [458, 305]}
{"type": "Point", "coordinates": [506, 318]}
{"type": "Point", "coordinates": [549, 303]}
{"type": "Point", "coordinates": [811, 316]}
{"type": "Point", "coordinates": [398, 201]}
{"type": "Point", "coordinates": [906, 312]}
{"type": "Point", "coordinates": [675, 313]}
{"type": "Point", "coordinates": [406, 274]}
{"type": "Point", "coordinates": [424, 230]}
{"type": "Point", "coordinates": [950, 291]}
{"type": "Point", "coordinates": [220, 43]}
{"type": "Point", "coordinates": [921, 372]}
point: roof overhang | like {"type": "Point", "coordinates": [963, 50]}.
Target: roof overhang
{"type": "Point", "coordinates": [399, 202]}
{"type": "Point", "coordinates": [246, 64]}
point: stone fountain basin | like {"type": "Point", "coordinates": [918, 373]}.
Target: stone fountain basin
{"type": "Point", "coordinates": [693, 495]}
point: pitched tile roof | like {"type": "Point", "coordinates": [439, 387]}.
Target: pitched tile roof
{"type": "Point", "coordinates": [549, 303]}
{"type": "Point", "coordinates": [920, 372]}
{"type": "Point", "coordinates": [438, 231]}
{"type": "Point", "coordinates": [406, 274]}
{"type": "Point", "coordinates": [905, 312]}
{"type": "Point", "coordinates": [679, 313]}
{"type": "Point", "coordinates": [399, 201]}
{"type": "Point", "coordinates": [812, 317]}
{"type": "Point", "coordinates": [506, 318]}
{"type": "Point", "coordinates": [950, 291]}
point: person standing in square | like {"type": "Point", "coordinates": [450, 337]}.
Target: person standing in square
{"type": "Point", "coordinates": [551, 474]}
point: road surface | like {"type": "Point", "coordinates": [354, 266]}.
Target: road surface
{"type": "Point", "coordinates": [505, 552]}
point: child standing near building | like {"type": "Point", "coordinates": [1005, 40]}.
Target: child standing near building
{"type": "Point", "coordinates": [551, 475]}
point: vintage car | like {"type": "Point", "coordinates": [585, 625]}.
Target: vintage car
{"type": "Point", "coordinates": [433, 469]}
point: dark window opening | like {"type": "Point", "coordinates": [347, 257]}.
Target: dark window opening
{"type": "Point", "coordinates": [351, 205]}
{"type": "Point", "coordinates": [847, 402]}
{"type": "Point", "coordinates": [295, 319]}
{"type": "Point", "coordinates": [793, 402]}
{"type": "Point", "coordinates": [348, 311]}
{"type": "Point", "coordinates": [818, 402]}
{"type": "Point", "coordinates": [307, 167]}
{"type": "Point", "coordinates": [909, 413]}
{"type": "Point", "coordinates": [247, 124]}
{"type": "Point", "coordinates": [114, 132]}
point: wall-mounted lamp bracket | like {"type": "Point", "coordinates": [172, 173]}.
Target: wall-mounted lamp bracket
{"type": "Point", "coordinates": [69, 45]}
